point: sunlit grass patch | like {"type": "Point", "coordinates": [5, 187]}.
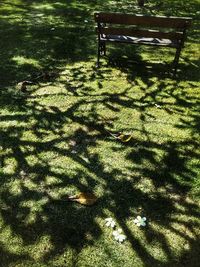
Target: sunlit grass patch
{"type": "Point", "coordinates": [58, 139]}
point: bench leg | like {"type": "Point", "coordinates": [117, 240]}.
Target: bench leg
{"type": "Point", "coordinates": [176, 60]}
{"type": "Point", "coordinates": [98, 55]}
{"type": "Point", "coordinates": [104, 48]}
{"type": "Point", "coordinates": [101, 51]}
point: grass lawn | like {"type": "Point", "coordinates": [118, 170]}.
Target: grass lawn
{"type": "Point", "coordinates": [54, 140]}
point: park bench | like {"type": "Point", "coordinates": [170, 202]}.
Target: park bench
{"type": "Point", "coordinates": [158, 31]}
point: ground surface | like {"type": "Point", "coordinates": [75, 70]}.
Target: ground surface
{"type": "Point", "coordinates": [54, 140]}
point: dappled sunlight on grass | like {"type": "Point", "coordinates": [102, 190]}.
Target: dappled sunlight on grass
{"type": "Point", "coordinates": [148, 175]}
{"type": "Point", "coordinates": [55, 141]}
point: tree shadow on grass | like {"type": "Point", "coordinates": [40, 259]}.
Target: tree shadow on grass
{"type": "Point", "coordinates": [41, 163]}
{"type": "Point", "coordinates": [128, 59]}
{"type": "Point", "coordinates": [40, 38]}
{"type": "Point", "coordinates": [70, 226]}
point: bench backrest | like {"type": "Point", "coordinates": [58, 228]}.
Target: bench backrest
{"type": "Point", "coordinates": [178, 24]}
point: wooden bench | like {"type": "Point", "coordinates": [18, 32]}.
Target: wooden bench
{"type": "Point", "coordinates": [142, 30]}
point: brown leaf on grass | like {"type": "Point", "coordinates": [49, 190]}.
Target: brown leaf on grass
{"type": "Point", "coordinates": [43, 76]}
{"type": "Point", "coordinates": [23, 85]}
{"type": "Point", "coordinates": [120, 136]}
{"type": "Point", "coordinates": [84, 198]}
{"type": "Point", "coordinates": [124, 137]}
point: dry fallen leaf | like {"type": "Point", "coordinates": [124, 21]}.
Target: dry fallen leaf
{"type": "Point", "coordinates": [84, 198]}
{"type": "Point", "coordinates": [23, 85]}
{"type": "Point", "coordinates": [120, 136]}
{"type": "Point", "coordinates": [124, 137]}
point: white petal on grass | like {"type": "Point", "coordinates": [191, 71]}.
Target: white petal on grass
{"type": "Point", "coordinates": [119, 236]}
{"type": "Point", "coordinates": [110, 222]}
{"type": "Point", "coordinates": [116, 237]}
{"type": "Point", "coordinates": [115, 233]}
{"type": "Point", "coordinates": [140, 221]}
{"type": "Point", "coordinates": [143, 223]}
{"type": "Point", "coordinates": [108, 219]}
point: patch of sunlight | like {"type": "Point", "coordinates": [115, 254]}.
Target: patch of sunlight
{"type": "Point", "coordinates": [70, 255]}
{"type": "Point", "coordinates": [157, 252]}
{"type": "Point", "coordinates": [15, 124]}
{"type": "Point", "coordinates": [11, 7]}
{"type": "Point", "coordinates": [176, 235]}
{"type": "Point", "coordinates": [16, 188]}
{"type": "Point", "coordinates": [10, 241]}
{"type": "Point", "coordinates": [60, 5]}
{"type": "Point", "coordinates": [21, 60]}
{"type": "Point", "coordinates": [32, 160]}
{"type": "Point", "coordinates": [10, 166]}
{"type": "Point", "coordinates": [30, 185]}
{"type": "Point", "coordinates": [42, 246]}
{"type": "Point", "coordinates": [49, 91]}
{"type": "Point", "coordinates": [145, 184]}
{"type": "Point", "coordinates": [51, 180]}
{"type": "Point", "coordinates": [43, 6]}
{"type": "Point", "coordinates": [35, 208]}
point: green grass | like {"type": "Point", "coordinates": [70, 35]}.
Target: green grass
{"type": "Point", "coordinates": [54, 143]}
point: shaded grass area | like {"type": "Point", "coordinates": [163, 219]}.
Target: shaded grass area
{"type": "Point", "coordinates": [54, 140]}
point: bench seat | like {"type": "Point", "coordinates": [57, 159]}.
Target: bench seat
{"type": "Point", "coordinates": [137, 40]}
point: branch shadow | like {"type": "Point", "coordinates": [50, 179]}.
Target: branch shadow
{"type": "Point", "coordinates": [52, 149]}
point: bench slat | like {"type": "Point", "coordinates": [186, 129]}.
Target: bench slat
{"type": "Point", "coordinates": [140, 41]}
{"type": "Point", "coordinates": [141, 33]}
{"type": "Point", "coordinates": [127, 19]}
